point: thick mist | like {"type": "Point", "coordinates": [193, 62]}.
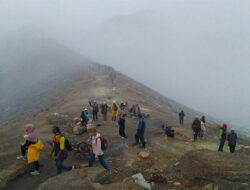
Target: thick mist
{"type": "Point", "coordinates": [196, 52]}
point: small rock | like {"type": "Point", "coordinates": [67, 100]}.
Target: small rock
{"type": "Point", "coordinates": [177, 163]}
{"type": "Point", "coordinates": [97, 186]}
{"type": "Point", "coordinates": [216, 188]}
{"type": "Point", "coordinates": [139, 179]}
{"type": "Point", "coordinates": [208, 187]}
{"type": "Point", "coordinates": [81, 174]}
{"type": "Point", "coordinates": [177, 183]}
{"type": "Point", "coordinates": [144, 155]}
{"type": "Point", "coordinates": [247, 147]}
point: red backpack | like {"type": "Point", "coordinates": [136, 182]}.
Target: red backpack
{"type": "Point", "coordinates": [104, 143]}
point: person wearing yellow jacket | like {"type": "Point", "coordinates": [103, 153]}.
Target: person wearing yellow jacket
{"type": "Point", "coordinates": [114, 109]}
{"type": "Point", "coordinates": [34, 147]}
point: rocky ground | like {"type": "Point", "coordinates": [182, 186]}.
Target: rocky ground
{"type": "Point", "coordinates": [166, 163]}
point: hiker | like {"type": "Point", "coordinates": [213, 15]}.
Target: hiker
{"type": "Point", "coordinates": [84, 119]}
{"type": "Point", "coordinates": [121, 120]}
{"type": "Point", "coordinates": [95, 108]}
{"type": "Point", "coordinates": [181, 117]}
{"type": "Point", "coordinates": [222, 136]}
{"type": "Point", "coordinates": [140, 131]}
{"type": "Point", "coordinates": [86, 111]}
{"type": "Point", "coordinates": [196, 126]}
{"type": "Point", "coordinates": [232, 140]}
{"type": "Point", "coordinates": [60, 150]}
{"type": "Point", "coordinates": [95, 139]}
{"type": "Point", "coordinates": [114, 109]}
{"type": "Point", "coordinates": [169, 131]}
{"type": "Point", "coordinates": [104, 110]}
{"type": "Point", "coordinates": [203, 127]}
{"type": "Point", "coordinates": [34, 147]}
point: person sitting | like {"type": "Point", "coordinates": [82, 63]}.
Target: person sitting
{"type": "Point", "coordinates": [169, 131]}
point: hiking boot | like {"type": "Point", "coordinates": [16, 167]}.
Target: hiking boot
{"type": "Point", "coordinates": [35, 173]}
{"type": "Point", "coordinates": [21, 158]}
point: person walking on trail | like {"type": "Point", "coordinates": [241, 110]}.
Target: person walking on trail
{"type": "Point", "coordinates": [181, 117]}
{"type": "Point", "coordinates": [232, 140]}
{"type": "Point", "coordinates": [222, 136]}
{"type": "Point", "coordinates": [196, 126]}
{"type": "Point", "coordinates": [95, 139]}
{"type": "Point", "coordinates": [60, 151]}
{"type": "Point", "coordinates": [104, 110]}
{"type": "Point", "coordinates": [203, 127]}
{"type": "Point", "coordinates": [140, 131]}
{"type": "Point", "coordinates": [95, 109]}
{"type": "Point", "coordinates": [114, 109]}
{"type": "Point", "coordinates": [121, 121]}
{"type": "Point", "coordinates": [34, 147]}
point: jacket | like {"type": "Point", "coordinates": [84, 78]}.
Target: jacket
{"type": "Point", "coordinates": [196, 126]}
{"type": "Point", "coordinates": [96, 145]}
{"type": "Point", "coordinates": [223, 133]}
{"type": "Point", "coordinates": [232, 139]}
{"type": "Point", "coordinates": [141, 125]}
{"type": "Point", "coordinates": [34, 151]}
{"type": "Point", "coordinates": [113, 111]}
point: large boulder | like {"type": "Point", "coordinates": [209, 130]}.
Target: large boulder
{"type": "Point", "coordinates": [74, 180]}
{"type": "Point", "coordinates": [79, 129]}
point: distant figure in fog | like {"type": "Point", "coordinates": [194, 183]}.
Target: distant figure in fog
{"type": "Point", "coordinates": [203, 127]}
{"type": "Point", "coordinates": [196, 126]}
{"type": "Point", "coordinates": [232, 140]}
{"type": "Point", "coordinates": [181, 117]}
{"type": "Point", "coordinates": [222, 136]}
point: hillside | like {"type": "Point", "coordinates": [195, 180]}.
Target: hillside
{"type": "Point", "coordinates": [55, 92]}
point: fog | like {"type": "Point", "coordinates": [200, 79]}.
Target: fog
{"type": "Point", "coordinates": [196, 52]}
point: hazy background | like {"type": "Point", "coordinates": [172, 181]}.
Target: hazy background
{"type": "Point", "coordinates": [194, 51]}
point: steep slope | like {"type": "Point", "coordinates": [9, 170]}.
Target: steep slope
{"type": "Point", "coordinates": [32, 70]}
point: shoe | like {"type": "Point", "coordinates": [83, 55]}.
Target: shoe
{"type": "Point", "coordinates": [21, 158]}
{"type": "Point", "coordinates": [35, 173]}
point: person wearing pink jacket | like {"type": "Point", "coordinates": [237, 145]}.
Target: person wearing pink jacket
{"type": "Point", "coordinates": [95, 140]}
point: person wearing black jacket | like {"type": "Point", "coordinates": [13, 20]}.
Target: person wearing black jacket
{"type": "Point", "coordinates": [232, 140]}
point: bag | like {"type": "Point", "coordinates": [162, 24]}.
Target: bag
{"type": "Point", "coordinates": [115, 107]}
{"type": "Point", "coordinates": [68, 145]}
{"type": "Point", "coordinates": [104, 143]}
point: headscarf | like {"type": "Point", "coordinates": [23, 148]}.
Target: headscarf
{"type": "Point", "coordinates": [31, 133]}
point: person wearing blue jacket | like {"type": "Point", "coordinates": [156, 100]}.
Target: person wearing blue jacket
{"type": "Point", "coordinates": [140, 131]}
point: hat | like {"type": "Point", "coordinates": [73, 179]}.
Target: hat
{"type": "Point", "coordinates": [232, 129]}
{"type": "Point", "coordinates": [114, 101]}
{"type": "Point", "coordinates": [85, 109]}
{"type": "Point", "coordinates": [224, 125]}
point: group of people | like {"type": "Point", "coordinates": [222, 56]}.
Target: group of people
{"type": "Point", "coordinates": [61, 146]}
{"type": "Point", "coordinates": [231, 137]}
{"type": "Point", "coordinates": [199, 127]}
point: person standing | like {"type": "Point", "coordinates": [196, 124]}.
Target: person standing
{"type": "Point", "coordinates": [95, 109]}
{"type": "Point", "coordinates": [86, 111]}
{"type": "Point", "coordinates": [203, 127]}
{"type": "Point", "coordinates": [140, 131]}
{"type": "Point", "coordinates": [232, 140]}
{"type": "Point", "coordinates": [121, 121]}
{"type": "Point", "coordinates": [181, 117]}
{"type": "Point", "coordinates": [222, 136]}
{"type": "Point", "coordinates": [95, 139]}
{"type": "Point", "coordinates": [60, 150]}
{"type": "Point", "coordinates": [114, 109]}
{"type": "Point", "coordinates": [34, 146]}
{"type": "Point", "coordinates": [196, 126]}
{"type": "Point", "coordinates": [104, 110]}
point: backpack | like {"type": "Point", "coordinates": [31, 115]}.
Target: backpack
{"type": "Point", "coordinates": [68, 145]}
{"type": "Point", "coordinates": [104, 143]}
{"type": "Point", "coordinates": [115, 107]}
